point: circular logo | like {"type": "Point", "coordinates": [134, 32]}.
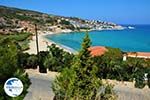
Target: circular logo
{"type": "Point", "coordinates": [13, 87]}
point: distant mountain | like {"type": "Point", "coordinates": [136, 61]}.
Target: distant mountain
{"type": "Point", "coordinates": [16, 20]}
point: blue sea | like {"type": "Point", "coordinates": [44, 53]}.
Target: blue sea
{"type": "Point", "coordinates": [128, 40]}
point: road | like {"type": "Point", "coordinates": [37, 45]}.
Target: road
{"type": "Point", "coordinates": [126, 93]}
{"type": "Point", "coordinates": [40, 89]}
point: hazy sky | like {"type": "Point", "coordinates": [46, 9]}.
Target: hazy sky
{"type": "Point", "coordinates": [118, 11]}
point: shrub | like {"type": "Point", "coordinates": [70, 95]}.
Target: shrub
{"type": "Point", "coordinates": [10, 67]}
{"type": "Point", "coordinates": [23, 57]}
{"type": "Point", "coordinates": [57, 59]}
{"type": "Point", "coordinates": [149, 79]}
{"type": "Point", "coordinates": [32, 61]}
{"type": "Point", "coordinates": [42, 55]}
{"type": "Point", "coordinates": [79, 82]}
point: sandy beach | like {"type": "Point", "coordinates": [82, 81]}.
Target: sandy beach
{"type": "Point", "coordinates": [44, 42]}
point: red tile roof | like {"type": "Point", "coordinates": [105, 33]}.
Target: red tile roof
{"type": "Point", "coordinates": [139, 54]}
{"type": "Point", "coordinates": [97, 50]}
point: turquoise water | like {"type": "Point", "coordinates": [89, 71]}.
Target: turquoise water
{"type": "Point", "coordinates": [137, 39]}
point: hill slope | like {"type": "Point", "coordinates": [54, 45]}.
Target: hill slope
{"type": "Point", "coordinates": [16, 20]}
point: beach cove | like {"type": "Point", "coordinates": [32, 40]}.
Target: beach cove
{"type": "Point", "coordinates": [44, 42]}
{"type": "Point", "coordinates": [128, 40]}
{"type": "Point", "coordinates": [71, 41]}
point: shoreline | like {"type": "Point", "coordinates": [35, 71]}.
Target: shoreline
{"type": "Point", "coordinates": [44, 42]}
{"type": "Point", "coordinates": [64, 47]}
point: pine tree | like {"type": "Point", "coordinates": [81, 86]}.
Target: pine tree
{"type": "Point", "coordinates": [10, 67]}
{"type": "Point", "coordinates": [80, 81]}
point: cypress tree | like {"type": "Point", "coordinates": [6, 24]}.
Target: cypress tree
{"type": "Point", "coordinates": [79, 82]}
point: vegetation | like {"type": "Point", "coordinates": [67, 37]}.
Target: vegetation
{"type": "Point", "coordinates": [21, 38]}
{"type": "Point", "coordinates": [13, 18]}
{"type": "Point", "coordinates": [32, 61]}
{"type": "Point", "coordinates": [79, 82]}
{"type": "Point", "coordinates": [57, 59]}
{"type": "Point", "coordinates": [64, 22]}
{"type": "Point", "coordinates": [81, 74]}
{"type": "Point", "coordinates": [112, 66]}
{"type": "Point", "coordinates": [42, 56]}
{"type": "Point", "coordinates": [10, 67]}
{"type": "Point", "coordinates": [109, 63]}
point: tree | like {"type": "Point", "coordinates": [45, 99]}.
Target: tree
{"type": "Point", "coordinates": [109, 64]}
{"type": "Point", "coordinates": [10, 67]}
{"type": "Point", "coordinates": [57, 59]}
{"type": "Point", "coordinates": [8, 53]}
{"type": "Point", "coordinates": [79, 82]}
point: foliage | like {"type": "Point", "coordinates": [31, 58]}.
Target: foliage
{"type": "Point", "coordinates": [79, 82]}
{"type": "Point", "coordinates": [139, 81]}
{"type": "Point", "coordinates": [20, 74]}
{"type": "Point", "coordinates": [112, 66]}
{"type": "Point", "coordinates": [32, 61]}
{"type": "Point", "coordinates": [149, 78]}
{"type": "Point", "coordinates": [8, 53]}
{"type": "Point", "coordinates": [64, 22]}
{"type": "Point", "coordinates": [42, 56]}
{"type": "Point", "coordinates": [57, 59]}
{"type": "Point", "coordinates": [106, 93]}
{"type": "Point", "coordinates": [24, 45]}
{"type": "Point", "coordinates": [21, 38]}
{"type": "Point", "coordinates": [10, 67]}
{"type": "Point", "coordinates": [23, 58]}
{"type": "Point", "coordinates": [27, 61]}
{"type": "Point", "coordinates": [109, 63]}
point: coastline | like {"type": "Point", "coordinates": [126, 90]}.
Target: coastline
{"type": "Point", "coordinates": [44, 42]}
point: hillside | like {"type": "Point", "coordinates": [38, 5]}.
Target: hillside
{"type": "Point", "coordinates": [14, 20]}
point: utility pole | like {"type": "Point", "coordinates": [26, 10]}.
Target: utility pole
{"type": "Point", "coordinates": [37, 44]}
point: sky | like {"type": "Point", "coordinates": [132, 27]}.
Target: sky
{"type": "Point", "coordinates": [117, 11]}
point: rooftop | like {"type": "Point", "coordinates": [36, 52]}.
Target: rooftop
{"type": "Point", "coordinates": [139, 54]}
{"type": "Point", "coordinates": [97, 50]}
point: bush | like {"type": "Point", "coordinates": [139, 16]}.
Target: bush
{"type": "Point", "coordinates": [23, 57]}
{"type": "Point", "coordinates": [42, 55]}
{"type": "Point", "coordinates": [8, 61]}
{"type": "Point", "coordinates": [10, 67]}
{"type": "Point", "coordinates": [22, 39]}
{"type": "Point", "coordinates": [57, 59]}
{"type": "Point", "coordinates": [111, 66]}
{"type": "Point", "coordinates": [149, 79]}
{"type": "Point", "coordinates": [139, 83]}
{"type": "Point", "coordinates": [32, 61]}
{"type": "Point", "coordinates": [19, 36]}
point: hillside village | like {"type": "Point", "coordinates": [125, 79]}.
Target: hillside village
{"type": "Point", "coordinates": [14, 20]}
